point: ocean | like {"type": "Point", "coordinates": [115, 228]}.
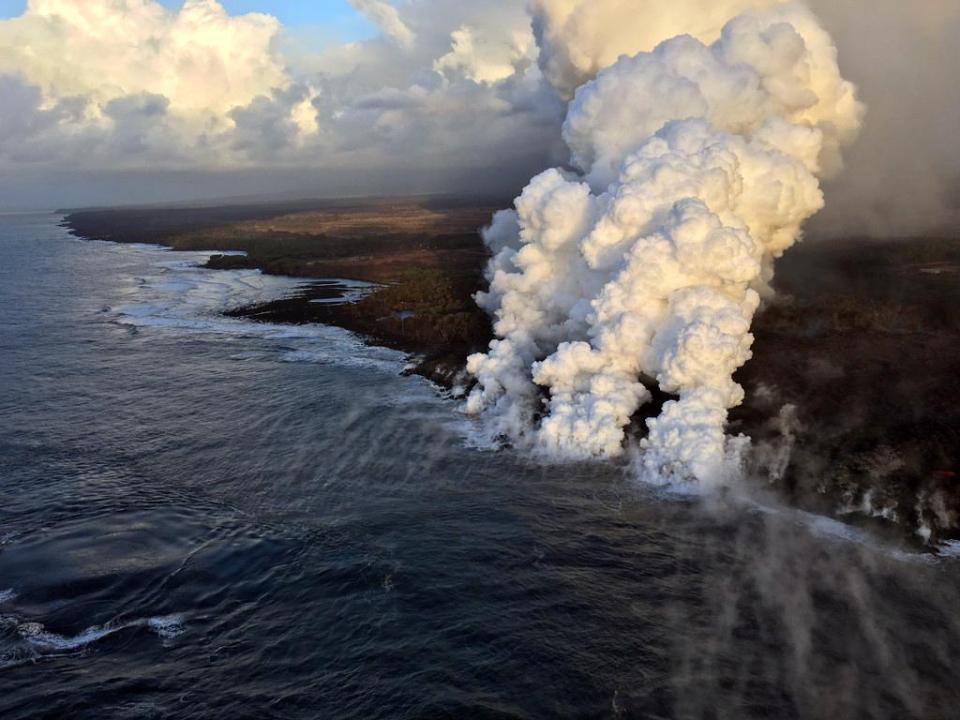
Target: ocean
{"type": "Point", "coordinates": [203, 517]}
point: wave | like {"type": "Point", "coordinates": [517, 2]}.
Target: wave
{"type": "Point", "coordinates": [28, 641]}
{"type": "Point", "coordinates": [179, 294]}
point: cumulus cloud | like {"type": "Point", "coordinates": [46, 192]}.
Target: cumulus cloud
{"type": "Point", "coordinates": [447, 90]}
{"type": "Point", "coordinates": [200, 58]}
{"type": "Point", "coordinates": [485, 59]}
{"type": "Point", "coordinates": [108, 86]}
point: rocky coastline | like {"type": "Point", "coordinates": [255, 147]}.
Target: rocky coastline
{"type": "Point", "coordinates": [853, 397]}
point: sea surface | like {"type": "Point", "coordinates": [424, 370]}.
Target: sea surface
{"type": "Point", "coordinates": [210, 518]}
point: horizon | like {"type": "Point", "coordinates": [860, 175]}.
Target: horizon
{"type": "Point", "coordinates": [370, 97]}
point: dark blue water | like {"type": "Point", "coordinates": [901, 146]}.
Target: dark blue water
{"type": "Point", "coordinates": [207, 518]}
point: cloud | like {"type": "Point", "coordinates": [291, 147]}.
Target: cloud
{"type": "Point", "coordinates": [696, 166]}
{"type": "Point", "coordinates": [463, 86]}
{"type": "Point", "coordinates": [200, 58]}
{"type": "Point", "coordinates": [385, 16]}
{"type": "Point", "coordinates": [577, 38]}
{"type": "Point", "coordinates": [485, 59]}
{"type": "Point", "coordinates": [903, 174]}
{"type": "Point", "coordinates": [108, 86]}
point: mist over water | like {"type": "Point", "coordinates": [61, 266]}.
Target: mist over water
{"type": "Point", "coordinates": [209, 518]}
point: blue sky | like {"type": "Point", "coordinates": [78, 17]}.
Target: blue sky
{"type": "Point", "coordinates": [336, 17]}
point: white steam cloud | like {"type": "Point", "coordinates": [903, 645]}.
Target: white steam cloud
{"type": "Point", "coordinates": [578, 38]}
{"type": "Point", "coordinates": [698, 164]}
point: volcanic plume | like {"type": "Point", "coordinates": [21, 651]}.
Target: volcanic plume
{"type": "Point", "coordinates": [695, 166]}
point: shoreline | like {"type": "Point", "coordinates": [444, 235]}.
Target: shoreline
{"type": "Point", "coordinates": [423, 275]}
{"type": "Point", "coordinates": [852, 400]}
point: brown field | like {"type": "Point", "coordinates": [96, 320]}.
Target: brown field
{"type": "Point", "coordinates": [358, 223]}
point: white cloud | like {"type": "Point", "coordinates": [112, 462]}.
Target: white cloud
{"type": "Point", "coordinates": [485, 59]}
{"type": "Point", "coordinates": [385, 16]}
{"type": "Point", "coordinates": [200, 58]}
{"type": "Point", "coordinates": [238, 93]}
{"type": "Point", "coordinates": [580, 37]}
{"type": "Point", "coordinates": [698, 165]}
{"type": "Point", "coordinates": [141, 86]}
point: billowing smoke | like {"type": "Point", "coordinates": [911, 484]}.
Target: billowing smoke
{"type": "Point", "coordinates": [578, 38]}
{"type": "Point", "coordinates": [696, 165]}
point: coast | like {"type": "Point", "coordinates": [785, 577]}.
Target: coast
{"type": "Point", "coordinates": [422, 257]}
{"type": "Point", "coordinates": [852, 397]}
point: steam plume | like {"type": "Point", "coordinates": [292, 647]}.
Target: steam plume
{"type": "Point", "coordinates": [697, 165]}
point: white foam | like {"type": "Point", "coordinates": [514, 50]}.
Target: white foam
{"type": "Point", "coordinates": [166, 627]}
{"type": "Point", "coordinates": [305, 356]}
{"type": "Point", "coordinates": [7, 595]}
{"type": "Point", "coordinates": [949, 549]}
{"type": "Point", "coordinates": [351, 291]}
{"type": "Point", "coordinates": [475, 433]}
{"type": "Point", "coordinates": [828, 527]}
{"type": "Point", "coordinates": [37, 635]}
{"type": "Point", "coordinates": [32, 640]}
{"type": "Point", "coordinates": [179, 295]}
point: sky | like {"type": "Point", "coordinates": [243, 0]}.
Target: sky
{"type": "Point", "coordinates": [323, 21]}
{"type": "Point", "coordinates": [349, 24]}
{"type": "Point", "coordinates": [115, 101]}
{"type": "Point", "coordinates": [129, 101]}
{"type": "Point", "coordinates": [336, 20]}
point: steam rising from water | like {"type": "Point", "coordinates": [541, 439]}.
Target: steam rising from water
{"type": "Point", "coordinates": [696, 166]}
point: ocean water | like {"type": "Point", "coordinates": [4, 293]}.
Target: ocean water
{"type": "Point", "coordinates": [210, 518]}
